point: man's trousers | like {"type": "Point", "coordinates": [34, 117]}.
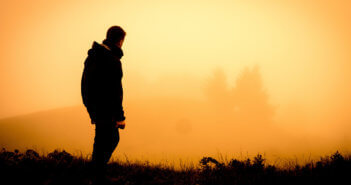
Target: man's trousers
{"type": "Point", "coordinates": [105, 142]}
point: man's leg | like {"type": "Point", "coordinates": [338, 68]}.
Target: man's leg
{"type": "Point", "coordinates": [105, 142]}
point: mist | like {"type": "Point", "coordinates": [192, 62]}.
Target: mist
{"type": "Point", "coordinates": [228, 77]}
{"type": "Point", "coordinates": [232, 121]}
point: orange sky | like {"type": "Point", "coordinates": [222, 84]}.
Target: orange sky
{"type": "Point", "coordinates": [173, 48]}
{"type": "Point", "coordinates": [44, 44]}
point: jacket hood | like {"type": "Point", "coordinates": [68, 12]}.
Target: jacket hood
{"type": "Point", "coordinates": [98, 50]}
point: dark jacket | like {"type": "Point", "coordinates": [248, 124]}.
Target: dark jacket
{"type": "Point", "coordinates": [101, 85]}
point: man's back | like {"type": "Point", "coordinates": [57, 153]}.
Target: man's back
{"type": "Point", "coordinates": [102, 91]}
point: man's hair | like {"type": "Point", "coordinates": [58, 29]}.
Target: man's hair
{"type": "Point", "coordinates": [115, 34]}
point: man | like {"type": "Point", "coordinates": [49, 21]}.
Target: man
{"type": "Point", "coordinates": [102, 95]}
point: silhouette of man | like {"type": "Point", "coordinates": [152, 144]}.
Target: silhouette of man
{"type": "Point", "coordinates": [102, 95]}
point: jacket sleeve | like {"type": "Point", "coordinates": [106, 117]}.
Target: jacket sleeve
{"type": "Point", "coordinates": [118, 111]}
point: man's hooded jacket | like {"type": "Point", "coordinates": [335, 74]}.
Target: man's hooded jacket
{"type": "Point", "coordinates": [101, 86]}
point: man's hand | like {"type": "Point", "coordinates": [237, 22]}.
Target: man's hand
{"type": "Point", "coordinates": [120, 124]}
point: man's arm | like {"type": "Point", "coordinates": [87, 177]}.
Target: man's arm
{"type": "Point", "coordinates": [118, 94]}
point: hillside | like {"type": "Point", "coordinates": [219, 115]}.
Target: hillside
{"type": "Point", "coordinates": [168, 129]}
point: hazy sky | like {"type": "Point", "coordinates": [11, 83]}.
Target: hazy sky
{"type": "Point", "coordinates": [301, 47]}
{"type": "Point", "coordinates": [198, 75]}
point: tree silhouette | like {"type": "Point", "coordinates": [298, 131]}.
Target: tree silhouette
{"type": "Point", "coordinates": [217, 91]}
{"type": "Point", "coordinates": [250, 100]}
{"type": "Point", "coordinates": [247, 102]}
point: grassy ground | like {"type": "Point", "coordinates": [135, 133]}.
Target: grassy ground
{"type": "Point", "coordinates": [60, 167]}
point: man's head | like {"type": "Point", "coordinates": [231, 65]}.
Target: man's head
{"type": "Point", "coordinates": [115, 35]}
